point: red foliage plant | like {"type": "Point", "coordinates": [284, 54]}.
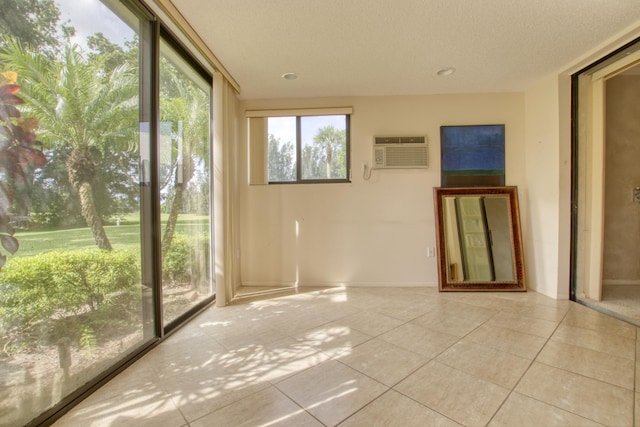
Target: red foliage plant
{"type": "Point", "coordinates": [20, 154]}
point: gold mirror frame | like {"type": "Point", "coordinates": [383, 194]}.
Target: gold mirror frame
{"type": "Point", "coordinates": [447, 203]}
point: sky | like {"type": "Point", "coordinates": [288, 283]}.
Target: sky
{"type": "Point", "coordinates": [284, 128]}
{"type": "Point", "coordinates": [92, 16]}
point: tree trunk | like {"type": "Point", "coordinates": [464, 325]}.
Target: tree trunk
{"type": "Point", "coordinates": [91, 216]}
{"type": "Point", "coordinates": [176, 205]}
{"type": "Point", "coordinates": [329, 158]}
{"type": "Point", "coordinates": [170, 228]}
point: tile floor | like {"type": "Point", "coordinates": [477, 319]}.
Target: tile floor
{"type": "Point", "coordinates": [381, 357]}
{"type": "Point", "coordinates": [621, 301]}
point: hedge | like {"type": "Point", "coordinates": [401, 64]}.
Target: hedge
{"type": "Point", "coordinates": [36, 291]}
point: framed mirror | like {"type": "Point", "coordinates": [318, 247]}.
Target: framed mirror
{"type": "Point", "coordinates": [478, 239]}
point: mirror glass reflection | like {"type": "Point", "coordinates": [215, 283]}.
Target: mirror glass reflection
{"type": "Point", "coordinates": [479, 241]}
{"type": "Point", "coordinates": [477, 230]}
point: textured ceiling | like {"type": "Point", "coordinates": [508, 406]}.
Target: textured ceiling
{"type": "Point", "coordinates": [395, 47]}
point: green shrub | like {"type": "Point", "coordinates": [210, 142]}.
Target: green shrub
{"type": "Point", "coordinates": [39, 291]}
{"type": "Point", "coordinates": [175, 261]}
{"type": "Point", "coordinates": [187, 259]}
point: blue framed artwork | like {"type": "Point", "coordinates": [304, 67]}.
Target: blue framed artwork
{"type": "Point", "coordinates": [472, 155]}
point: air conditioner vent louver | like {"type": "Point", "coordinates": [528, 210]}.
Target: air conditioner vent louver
{"type": "Point", "coordinates": [400, 139]}
{"type": "Point", "coordinates": [400, 152]}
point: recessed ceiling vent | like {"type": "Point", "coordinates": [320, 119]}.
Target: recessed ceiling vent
{"type": "Point", "coordinates": [400, 152]}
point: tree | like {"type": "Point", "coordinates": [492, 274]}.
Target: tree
{"type": "Point", "coordinates": [184, 109]}
{"type": "Point", "coordinates": [326, 157]}
{"type": "Point", "coordinates": [33, 22]}
{"type": "Point", "coordinates": [93, 116]}
{"type": "Point", "coordinates": [281, 158]}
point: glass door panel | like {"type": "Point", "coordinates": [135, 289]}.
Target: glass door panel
{"type": "Point", "coordinates": [184, 172]}
{"type": "Point", "coordinates": [71, 294]}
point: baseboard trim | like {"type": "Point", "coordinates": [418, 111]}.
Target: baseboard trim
{"type": "Point", "coordinates": [250, 284]}
{"type": "Point", "coordinates": [621, 283]}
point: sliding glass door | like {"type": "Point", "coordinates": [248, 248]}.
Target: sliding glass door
{"type": "Point", "coordinates": [184, 152]}
{"type": "Point", "coordinates": [104, 196]}
{"type": "Point", "coordinates": [71, 294]}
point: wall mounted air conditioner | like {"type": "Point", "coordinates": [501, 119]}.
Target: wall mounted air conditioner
{"type": "Point", "coordinates": [400, 152]}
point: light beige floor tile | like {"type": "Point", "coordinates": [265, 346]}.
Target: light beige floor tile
{"type": "Point", "coordinates": [331, 392]}
{"type": "Point", "coordinates": [137, 379]}
{"type": "Point", "coordinates": [456, 325]}
{"type": "Point", "coordinates": [259, 332]}
{"type": "Point", "coordinates": [453, 393]}
{"type": "Point", "coordinates": [287, 357]}
{"type": "Point", "coordinates": [456, 309]}
{"type": "Point", "coordinates": [592, 399]}
{"type": "Point", "coordinates": [403, 310]}
{"type": "Point", "coordinates": [298, 321]}
{"type": "Point", "coordinates": [394, 409]}
{"type": "Point", "coordinates": [607, 343]}
{"type": "Point", "coordinates": [382, 361]}
{"type": "Point", "coordinates": [537, 311]}
{"type": "Point", "coordinates": [286, 341]}
{"type": "Point", "coordinates": [266, 408]}
{"type": "Point", "coordinates": [513, 342]}
{"type": "Point", "coordinates": [587, 318]}
{"type": "Point", "coordinates": [370, 322]}
{"type": "Point", "coordinates": [527, 325]}
{"type": "Point", "coordinates": [523, 411]}
{"type": "Point", "coordinates": [175, 359]}
{"type": "Point", "coordinates": [361, 298]}
{"type": "Point", "coordinates": [590, 363]}
{"type": "Point", "coordinates": [638, 364]}
{"type": "Point", "coordinates": [153, 408]}
{"type": "Point", "coordinates": [333, 338]}
{"type": "Point", "coordinates": [637, 409]}
{"type": "Point", "coordinates": [207, 390]}
{"type": "Point", "coordinates": [419, 340]}
{"type": "Point", "coordinates": [483, 362]}
{"type": "Point", "coordinates": [486, 300]}
{"type": "Point", "coordinates": [536, 298]}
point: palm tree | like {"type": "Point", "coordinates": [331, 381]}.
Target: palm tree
{"type": "Point", "coordinates": [186, 106]}
{"type": "Point", "coordinates": [329, 143]}
{"type": "Point", "coordinates": [81, 107]}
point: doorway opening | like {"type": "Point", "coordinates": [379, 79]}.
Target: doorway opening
{"type": "Point", "coordinates": [606, 174]}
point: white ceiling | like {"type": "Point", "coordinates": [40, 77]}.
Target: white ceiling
{"type": "Point", "coordinates": [395, 47]}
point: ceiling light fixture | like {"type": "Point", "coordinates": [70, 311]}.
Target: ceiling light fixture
{"type": "Point", "coordinates": [446, 71]}
{"type": "Point", "coordinates": [290, 76]}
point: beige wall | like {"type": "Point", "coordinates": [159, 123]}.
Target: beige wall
{"type": "Point", "coordinates": [548, 130]}
{"type": "Point", "coordinates": [622, 173]}
{"type": "Point", "coordinates": [548, 192]}
{"type": "Point", "coordinates": [377, 232]}
{"type": "Point", "coordinates": [368, 233]}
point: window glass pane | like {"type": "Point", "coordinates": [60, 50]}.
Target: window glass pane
{"type": "Point", "coordinates": [185, 99]}
{"type": "Point", "coordinates": [324, 147]}
{"type": "Point", "coordinates": [282, 149]}
{"type": "Point", "coordinates": [71, 299]}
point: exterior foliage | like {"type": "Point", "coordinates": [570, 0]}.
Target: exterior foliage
{"type": "Point", "coordinates": [282, 160]}
{"type": "Point", "coordinates": [93, 116]}
{"type": "Point", "coordinates": [184, 112]}
{"type": "Point", "coordinates": [324, 158]}
{"type": "Point", "coordinates": [37, 291]}
{"type": "Point", "coordinates": [186, 259]}
{"type": "Point", "coordinates": [20, 154]}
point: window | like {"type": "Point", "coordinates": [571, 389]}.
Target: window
{"type": "Point", "coordinates": [299, 146]}
{"type": "Point", "coordinates": [308, 149]}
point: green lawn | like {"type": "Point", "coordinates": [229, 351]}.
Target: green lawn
{"type": "Point", "coordinates": [126, 235]}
